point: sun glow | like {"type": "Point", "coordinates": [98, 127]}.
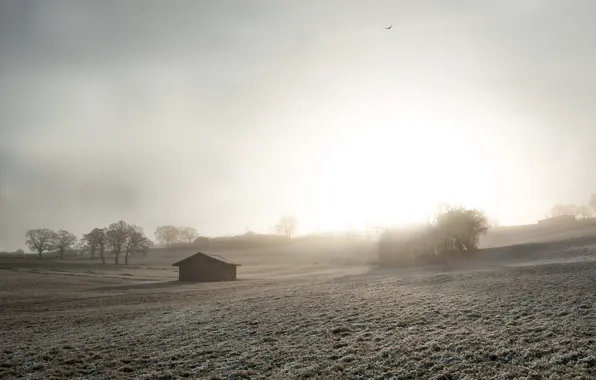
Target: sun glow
{"type": "Point", "coordinates": [393, 175]}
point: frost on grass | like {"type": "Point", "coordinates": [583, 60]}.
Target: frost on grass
{"type": "Point", "coordinates": [528, 322]}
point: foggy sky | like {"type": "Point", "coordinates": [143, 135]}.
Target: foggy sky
{"type": "Point", "coordinates": [224, 114]}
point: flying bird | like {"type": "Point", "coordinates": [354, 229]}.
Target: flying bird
{"type": "Point", "coordinates": [389, 27]}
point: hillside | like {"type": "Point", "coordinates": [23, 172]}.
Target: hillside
{"type": "Point", "coordinates": [535, 233]}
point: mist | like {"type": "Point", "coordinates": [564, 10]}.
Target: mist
{"type": "Point", "coordinates": [223, 115]}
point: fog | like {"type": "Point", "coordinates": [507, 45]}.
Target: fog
{"type": "Point", "coordinates": [227, 114]}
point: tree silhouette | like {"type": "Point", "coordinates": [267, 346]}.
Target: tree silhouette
{"type": "Point", "coordinates": [564, 209]}
{"type": "Point", "coordinates": [584, 211]}
{"type": "Point", "coordinates": [454, 232]}
{"type": "Point", "coordinates": [41, 240]}
{"type": "Point", "coordinates": [135, 241]}
{"type": "Point", "coordinates": [189, 234]}
{"type": "Point", "coordinates": [117, 233]}
{"type": "Point", "coordinates": [96, 240]}
{"type": "Point", "coordinates": [167, 234]}
{"type": "Point", "coordinates": [593, 202]}
{"type": "Point", "coordinates": [287, 225]}
{"type": "Point", "coordinates": [64, 241]}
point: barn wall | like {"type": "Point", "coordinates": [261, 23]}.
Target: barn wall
{"type": "Point", "coordinates": [203, 269]}
{"type": "Point", "coordinates": [232, 272]}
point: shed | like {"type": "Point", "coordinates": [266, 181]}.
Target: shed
{"type": "Point", "coordinates": [202, 267]}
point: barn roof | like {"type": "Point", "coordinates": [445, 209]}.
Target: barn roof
{"type": "Point", "coordinates": [214, 257]}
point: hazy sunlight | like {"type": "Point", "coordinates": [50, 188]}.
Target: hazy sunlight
{"type": "Point", "coordinates": [395, 174]}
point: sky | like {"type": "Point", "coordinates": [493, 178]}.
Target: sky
{"type": "Point", "coordinates": [226, 115]}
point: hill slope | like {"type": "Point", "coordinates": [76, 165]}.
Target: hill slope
{"type": "Point", "coordinates": [536, 233]}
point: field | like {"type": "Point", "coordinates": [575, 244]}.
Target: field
{"type": "Point", "coordinates": [534, 233]}
{"type": "Point", "coordinates": [515, 313]}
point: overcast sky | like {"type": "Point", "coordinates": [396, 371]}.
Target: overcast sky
{"type": "Point", "coordinates": [228, 114]}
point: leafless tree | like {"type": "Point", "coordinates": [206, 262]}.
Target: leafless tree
{"type": "Point", "coordinates": [64, 241]}
{"type": "Point", "coordinates": [557, 210]}
{"type": "Point", "coordinates": [592, 203]}
{"type": "Point", "coordinates": [100, 234]}
{"type": "Point", "coordinates": [167, 234]}
{"type": "Point", "coordinates": [189, 234]}
{"type": "Point", "coordinates": [127, 238]}
{"type": "Point", "coordinates": [86, 244]}
{"type": "Point", "coordinates": [82, 247]}
{"type": "Point", "coordinates": [287, 225]}
{"type": "Point", "coordinates": [564, 209]}
{"type": "Point", "coordinates": [135, 241]}
{"type": "Point", "coordinates": [41, 240]}
{"type": "Point", "coordinates": [117, 234]}
{"type": "Point", "coordinates": [96, 240]}
{"type": "Point", "coordinates": [584, 211]}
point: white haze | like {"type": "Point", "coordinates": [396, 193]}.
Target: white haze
{"type": "Point", "coordinates": [228, 114]}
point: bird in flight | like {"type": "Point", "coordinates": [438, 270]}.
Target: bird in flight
{"type": "Point", "coordinates": [389, 27]}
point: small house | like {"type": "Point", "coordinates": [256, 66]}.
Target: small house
{"type": "Point", "coordinates": [202, 267]}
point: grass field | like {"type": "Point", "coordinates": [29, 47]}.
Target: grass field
{"type": "Point", "coordinates": [516, 313]}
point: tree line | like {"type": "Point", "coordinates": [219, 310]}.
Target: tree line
{"type": "Point", "coordinates": [168, 235]}
{"type": "Point", "coordinates": [118, 238]}
{"type": "Point", "coordinates": [584, 211]}
{"type": "Point", "coordinates": [123, 238]}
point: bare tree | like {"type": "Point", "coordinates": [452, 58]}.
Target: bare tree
{"type": "Point", "coordinates": [41, 240]}
{"type": "Point", "coordinates": [96, 240]}
{"type": "Point", "coordinates": [557, 210]}
{"type": "Point", "coordinates": [167, 234]}
{"type": "Point", "coordinates": [189, 234]}
{"type": "Point", "coordinates": [287, 225]}
{"type": "Point", "coordinates": [592, 203]}
{"type": "Point", "coordinates": [575, 210]}
{"type": "Point", "coordinates": [100, 234]}
{"type": "Point", "coordinates": [584, 211]}
{"type": "Point", "coordinates": [117, 234]}
{"type": "Point", "coordinates": [135, 241]}
{"type": "Point", "coordinates": [88, 245]}
{"type": "Point", "coordinates": [562, 209]}
{"type": "Point", "coordinates": [81, 247]}
{"type": "Point", "coordinates": [64, 241]}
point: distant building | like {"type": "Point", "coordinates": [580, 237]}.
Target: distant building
{"type": "Point", "coordinates": [562, 219]}
{"type": "Point", "coordinates": [202, 267]}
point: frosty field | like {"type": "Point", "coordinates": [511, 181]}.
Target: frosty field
{"type": "Point", "coordinates": [531, 321]}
